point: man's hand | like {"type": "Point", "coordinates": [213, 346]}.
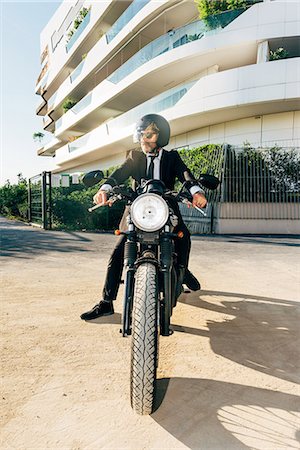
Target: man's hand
{"type": "Point", "coordinates": [199, 200]}
{"type": "Point", "coordinates": [100, 198]}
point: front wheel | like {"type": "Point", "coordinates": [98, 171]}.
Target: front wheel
{"type": "Point", "coordinates": [144, 339]}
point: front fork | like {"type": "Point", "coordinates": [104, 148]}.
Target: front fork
{"type": "Point", "coordinates": [130, 255]}
{"type": "Point", "coordinates": [166, 251]}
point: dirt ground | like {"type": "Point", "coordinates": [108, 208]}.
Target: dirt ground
{"type": "Point", "coordinates": [228, 376]}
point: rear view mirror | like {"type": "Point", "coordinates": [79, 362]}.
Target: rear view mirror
{"type": "Point", "coordinates": [92, 178]}
{"type": "Point", "coordinates": [209, 181]}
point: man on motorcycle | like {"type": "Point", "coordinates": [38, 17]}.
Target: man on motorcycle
{"type": "Point", "coordinates": [152, 132]}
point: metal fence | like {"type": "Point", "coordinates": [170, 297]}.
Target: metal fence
{"type": "Point", "coordinates": [256, 183]}
{"type": "Point", "coordinates": [215, 165]}
{"type": "Point", "coordinates": [261, 183]}
{"type": "Point", "coordinates": [39, 200]}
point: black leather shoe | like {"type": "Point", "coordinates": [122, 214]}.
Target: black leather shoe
{"type": "Point", "coordinates": [101, 309]}
{"type": "Point", "coordinates": [191, 281]}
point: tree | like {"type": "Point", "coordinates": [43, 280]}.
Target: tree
{"type": "Point", "coordinates": [38, 136]}
{"type": "Point", "coordinates": [14, 199]}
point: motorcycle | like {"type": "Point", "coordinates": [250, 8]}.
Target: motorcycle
{"type": "Point", "coordinates": [153, 279]}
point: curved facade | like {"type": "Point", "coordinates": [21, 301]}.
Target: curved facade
{"type": "Point", "coordinates": [105, 64]}
{"type": "Point", "coordinates": [214, 82]}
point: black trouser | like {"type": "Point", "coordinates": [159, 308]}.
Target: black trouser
{"type": "Point", "coordinates": [115, 264]}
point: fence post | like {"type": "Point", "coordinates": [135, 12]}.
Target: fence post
{"type": "Point", "coordinates": [29, 201]}
{"type": "Point", "coordinates": [44, 201]}
{"type": "Point", "coordinates": [223, 186]}
{"type": "Point", "coordinates": [50, 200]}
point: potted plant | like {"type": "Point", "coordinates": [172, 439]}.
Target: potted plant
{"type": "Point", "coordinates": [77, 21]}
{"type": "Point", "coordinates": [279, 53]}
{"type": "Point", "coordinates": [68, 104]}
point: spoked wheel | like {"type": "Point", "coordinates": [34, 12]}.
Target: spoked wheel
{"type": "Point", "coordinates": [144, 339]}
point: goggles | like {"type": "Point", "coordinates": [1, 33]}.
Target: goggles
{"type": "Point", "coordinates": [139, 134]}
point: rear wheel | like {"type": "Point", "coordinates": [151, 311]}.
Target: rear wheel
{"type": "Point", "coordinates": [144, 339]}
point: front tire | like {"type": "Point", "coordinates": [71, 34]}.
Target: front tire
{"type": "Point", "coordinates": [144, 339]}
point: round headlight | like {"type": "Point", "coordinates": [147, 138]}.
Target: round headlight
{"type": "Point", "coordinates": [149, 212]}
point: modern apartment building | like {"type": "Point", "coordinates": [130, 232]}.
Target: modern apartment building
{"type": "Point", "coordinates": [106, 63]}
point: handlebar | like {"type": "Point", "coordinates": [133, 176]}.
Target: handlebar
{"type": "Point", "coordinates": [122, 192]}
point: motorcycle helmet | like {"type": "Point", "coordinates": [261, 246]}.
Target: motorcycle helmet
{"type": "Point", "coordinates": [159, 123]}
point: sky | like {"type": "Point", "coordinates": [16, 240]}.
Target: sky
{"type": "Point", "coordinates": [21, 25]}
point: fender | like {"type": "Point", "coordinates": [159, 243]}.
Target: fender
{"type": "Point", "coordinates": [147, 256]}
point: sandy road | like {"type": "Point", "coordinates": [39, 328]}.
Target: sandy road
{"type": "Point", "coordinates": [228, 377]}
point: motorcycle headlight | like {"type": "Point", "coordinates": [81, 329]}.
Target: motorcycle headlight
{"type": "Point", "coordinates": [149, 212]}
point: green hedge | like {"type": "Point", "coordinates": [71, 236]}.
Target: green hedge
{"type": "Point", "coordinates": [70, 210]}
{"type": "Point", "coordinates": [70, 204]}
{"type": "Point", "coordinates": [14, 200]}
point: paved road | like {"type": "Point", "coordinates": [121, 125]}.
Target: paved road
{"type": "Point", "coordinates": [228, 377]}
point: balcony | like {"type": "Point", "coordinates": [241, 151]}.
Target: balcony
{"type": "Point", "coordinates": [75, 74]}
{"type": "Point", "coordinates": [78, 31]}
{"type": "Point", "coordinates": [41, 107]}
{"type": "Point", "coordinates": [41, 86]}
{"type": "Point", "coordinates": [173, 39]}
{"type": "Point", "coordinates": [223, 96]}
{"type": "Point", "coordinates": [48, 124]}
{"type": "Point", "coordinates": [76, 109]}
{"type": "Point", "coordinates": [43, 72]}
{"type": "Point", "coordinates": [105, 90]}
{"type": "Point", "coordinates": [157, 104]}
{"type": "Point", "coordinates": [45, 54]}
{"type": "Point", "coordinates": [51, 102]}
{"type": "Point", "coordinates": [125, 18]}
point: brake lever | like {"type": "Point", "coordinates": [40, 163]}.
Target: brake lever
{"type": "Point", "coordinates": [94, 207]}
{"type": "Point", "coordinates": [112, 200]}
{"type": "Point", "coordinates": [190, 204]}
{"type": "Point", "coordinates": [201, 211]}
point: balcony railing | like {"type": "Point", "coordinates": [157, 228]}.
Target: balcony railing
{"type": "Point", "coordinates": [84, 102]}
{"type": "Point", "coordinates": [58, 123]}
{"type": "Point", "coordinates": [123, 20]}
{"type": "Point", "coordinates": [78, 143]}
{"type": "Point", "coordinates": [76, 72]}
{"type": "Point", "coordinates": [51, 101]}
{"type": "Point", "coordinates": [44, 54]}
{"type": "Point", "coordinates": [157, 104]}
{"type": "Point", "coordinates": [76, 109]}
{"type": "Point", "coordinates": [173, 39]}
{"type": "Point", "coordinates": [79, 31]}
{"type": "Point", "coordinates": [42, 73]}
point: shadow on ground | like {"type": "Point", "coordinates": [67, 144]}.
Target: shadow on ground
{"type": "Point", "coordinates": [259, 332]}
{"type": "Point", "coordinates": [22, 241]}
{"type": "Point", "coordinates": [209, 414]}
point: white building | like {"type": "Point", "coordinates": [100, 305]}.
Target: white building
{"type": "Point", "coordinates": [215, 84]}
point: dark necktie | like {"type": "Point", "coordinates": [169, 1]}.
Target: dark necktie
{"type": "Point", "coordinates": [150, 171]}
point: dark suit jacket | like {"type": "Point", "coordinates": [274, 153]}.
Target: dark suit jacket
{"type": "Point", "coordinates": [171, 167]}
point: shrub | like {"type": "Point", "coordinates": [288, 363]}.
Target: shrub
{"type": "Point", "coordinates": [77, 21]}
{"type": "Point", "coordinates": [68, 104]}
{"type": "Point", "coordinates": [203, 159]}
{"type": "Point", "coordinates": [70, 210]}
{"type": "Point", "coordinates": [210, 11]}
{"type": "Point", "coordinates": [279, 53]}
{"type": "Point", "coordinates": [14, 199]}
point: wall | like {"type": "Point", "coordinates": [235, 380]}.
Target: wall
{"type": "Point", "coordinates": [277, 128]}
